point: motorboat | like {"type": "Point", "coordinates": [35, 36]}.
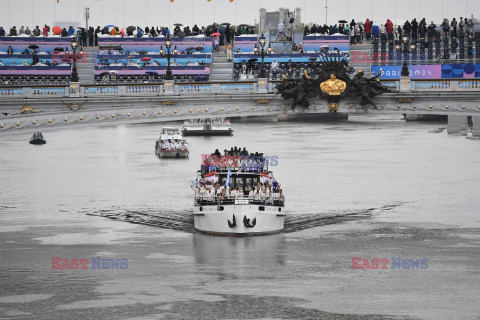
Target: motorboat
{"type": "Point", "coordinates": [171, 144]}
{"type": "Point", "coordinates": [207, 127]}
{"type": "Point", "coordinates": [37, 138]}
{"type": "Point", "coordinates": [237, 196]}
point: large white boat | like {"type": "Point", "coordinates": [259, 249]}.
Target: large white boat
{"type": "Point", "coordinates": [171, 144]}
{"type": "Point", "coordinates": [207, 127]}
{"type": "Point", "coordinates": [237, 195]}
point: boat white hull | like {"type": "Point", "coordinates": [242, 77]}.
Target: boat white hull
{"type": "Point", "coordinates": [209, 219]}
{"type": "Point", "coordinates": [172, 153]}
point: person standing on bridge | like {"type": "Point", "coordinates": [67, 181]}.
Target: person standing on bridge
{"type": "Point", "coordinates": [352, 35]}
{"type": "Point", "coordinates": [358, 33]}
{"type": "Point", "coordinates": [383, 32]}
{"type": "Point", "coordinates": [422, 28]}
{"type": "Point", "coordinates": [306, 31]}
{"type": "Point", "coordinates": [222, 39]}
{"type": "Point", "coordinates": [389, 28]}
{"type": "Point", "coordinates": [407, 28]}
{"type": "Point", "coordinates": [414, 29]}
{"type": "Point", "coordinates": [454, 28]}
{"type": "Point", "coordinates": [274, 65]}
{"type": "Point", "coordinates": [445, 27]}
{"type": "Point", "coordinates": [229, 52]}
{"type": "Point", "coordinates": [281, 30]}
{"type": "Point", "coordinates": [432, 32]}
{"type": "Point", "coordinates": [461, 26]}
{"type": "Point", "coordinates": [469, 27]}
{"type": "Point", "coordinates": [368, 28]}
{"type": "Point", "coordinates": [228, 34]}
{"type": "Point", "coordinates": [375, 31]}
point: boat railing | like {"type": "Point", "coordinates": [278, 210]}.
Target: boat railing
{"type": "Point", "coordinates": [173, 149]}
{"type": "Point", "coordinates": [237, 169]}
{"type": "Point", "coordinates": [224, 200]}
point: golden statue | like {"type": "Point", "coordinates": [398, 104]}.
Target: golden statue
{"type": "Point", "coordinates": [333, 86]}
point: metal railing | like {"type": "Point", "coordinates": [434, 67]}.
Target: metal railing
{"type": "Point", "coordinates": [223, 200]}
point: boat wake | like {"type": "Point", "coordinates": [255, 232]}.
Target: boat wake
{"type": "Point", "coordinates": [183, 221]}
{"type": "Point", "coordinates": [152, 217]}
{"type": "Point", "coordinates": [300, 222]}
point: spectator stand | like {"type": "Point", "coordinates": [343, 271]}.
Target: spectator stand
{"type": "Point", "coordinates": [125, 56]}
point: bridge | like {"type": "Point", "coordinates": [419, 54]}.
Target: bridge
{"type": "Point", "coordinates": [28, 107]}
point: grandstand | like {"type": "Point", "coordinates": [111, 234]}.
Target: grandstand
{"type": "Point", "coordinates": [47, 60]}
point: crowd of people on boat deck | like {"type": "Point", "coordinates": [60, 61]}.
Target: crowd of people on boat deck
{"type": "Point", "coordinates": [173, 144]}
{"type": "Point", "coordinates": [235, 157]}
{"type": "Point", "coordinates": [267, 192]}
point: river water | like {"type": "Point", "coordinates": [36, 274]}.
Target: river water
{"type": "Point", "coordinates": [372, 187]}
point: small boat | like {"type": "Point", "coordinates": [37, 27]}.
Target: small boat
{"type": "Point", "coordinates": [207, 127]}
{"type": "Point", "coordinates": [37, 138]}
{"type": "Point", "coordinates": [237, 196]}
{"type": "Point", "coordinates": [171, 144]}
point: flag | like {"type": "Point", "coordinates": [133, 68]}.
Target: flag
{"type": "Point", "coordinates": [266, 177]}
{"type": "Point", "coordinates": [227, 182]}
{"type": "Point", "coordinates": [275, 185]}
{"type": "Point", "coordinates": [193, 184]}
{"type": "Point", "coordinates": [210, 177]}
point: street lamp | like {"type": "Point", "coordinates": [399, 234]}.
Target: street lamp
{"type": "Point", "coordinates": [75, 56]}
{"type": "Point", "coordinates": [168, 45]}
{"type": "Point", "coordinates": [262, 52]}
{"type": "Point", "coordinates": [406, 47]}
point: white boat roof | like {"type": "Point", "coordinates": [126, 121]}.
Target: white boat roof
{"type": "Point", "coordinates": [170, 130]}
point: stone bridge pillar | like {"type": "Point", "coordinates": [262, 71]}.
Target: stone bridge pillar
{"type": "Point", "coordinates": [404, 84]}
{"type": "Point", "coordinates": [457, 124]}
{"type": "Point", "coordinates": [74, 90]}
{"type": "Point", "coordinates": [476, 126]}
{"type": "Point", "coordinates": [168, 86]}
{"type": "Point", "coordinates": [262, 85]}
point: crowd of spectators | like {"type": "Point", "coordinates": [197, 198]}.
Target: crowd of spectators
{"type": "Point", "coordinates": [359, 31]}
{"type": "Point", "coordinates": [90, 36]}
